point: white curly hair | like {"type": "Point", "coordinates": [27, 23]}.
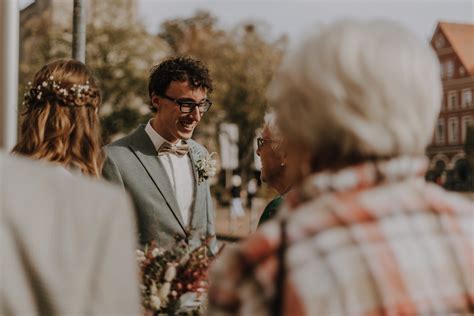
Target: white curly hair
{"type": "Point", "coordinates": [270, 122]}
{"type": "Point", "coordinates": [356, 91]}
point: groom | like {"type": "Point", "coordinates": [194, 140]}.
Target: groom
{"type": "Point", "coordinates": [156, 163]}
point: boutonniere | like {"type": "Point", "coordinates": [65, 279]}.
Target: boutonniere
{"type": "Point", "coordinates": [206, 167]}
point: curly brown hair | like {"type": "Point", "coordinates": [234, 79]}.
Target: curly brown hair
{"type": "Point", "coordinates": [178, 69]}
{"type": "Point", "coordinates": [60, 117]}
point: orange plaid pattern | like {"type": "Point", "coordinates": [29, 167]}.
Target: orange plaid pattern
{"type": "Point", "coordinates": [373, 239]}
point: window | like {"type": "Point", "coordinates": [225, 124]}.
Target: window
{"type": "Point", "coordinates": [440, 132]}
{"type": "Point", "coordinates": [466, 98]}
{"type": "Point", "coordinates": [453, 124]}
{"type": "Point", "coordinates": [452, 100]}
{"type": "Point", "coordinates": [466, 120]}
{"type": "Point", "coordinates": [439, 41]}
{"type": "Point", "coordinates": [449, 69]}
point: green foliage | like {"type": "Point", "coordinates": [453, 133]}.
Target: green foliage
{"type": "Point", "coordinates": [121, 121]}
{"type": "Point", "coordinates": [119, 56]}
{"type": "Point", "coordinates": [241, 60]}
{"type": "Point", "coordinates": [121, 59]}
{"type": "Point", "coordinates": [40, 43]}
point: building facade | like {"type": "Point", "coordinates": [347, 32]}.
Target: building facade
{"type": "Point", "coordinates": [454, 45]}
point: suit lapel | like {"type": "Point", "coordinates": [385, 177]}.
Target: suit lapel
{"type": "Point", "coordinates": [146, 153]}
{"type": "Point", "coordinates": [199, 189]}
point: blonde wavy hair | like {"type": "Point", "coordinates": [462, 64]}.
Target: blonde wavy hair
{"type": "Point", "coordinates": [60, 118]}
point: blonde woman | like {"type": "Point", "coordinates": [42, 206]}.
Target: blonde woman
{"type": "Point", "coordinates": [60, 121]}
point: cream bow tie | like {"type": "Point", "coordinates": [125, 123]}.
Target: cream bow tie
{"type": "Point", "coordinates": [178, 150]}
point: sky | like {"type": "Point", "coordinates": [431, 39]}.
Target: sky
{"type": "Point", "coordinates": [294, 17]}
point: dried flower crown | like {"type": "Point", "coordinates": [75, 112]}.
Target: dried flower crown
{"type": "Point", "coordinates": [75, 95]}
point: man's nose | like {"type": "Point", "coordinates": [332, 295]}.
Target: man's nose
{"type": "Point", "coordinates": [196, 114]}
{"type": "Point", "coordinates": [258, 151]}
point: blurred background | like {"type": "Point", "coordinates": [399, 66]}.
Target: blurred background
{"type": "Point", "coordinates": [243, 42]}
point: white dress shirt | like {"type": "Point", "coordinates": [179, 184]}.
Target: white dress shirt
{"type": "Point", "coordinates": [180, 172]}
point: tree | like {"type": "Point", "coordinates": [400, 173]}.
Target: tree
{"type": "Point", "coordinates": [120, 57]}
{"type": "Point", "coordinates": [241, 60]}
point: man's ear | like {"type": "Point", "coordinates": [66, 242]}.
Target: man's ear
{"type": "Point", "coordinates": [155, 100]}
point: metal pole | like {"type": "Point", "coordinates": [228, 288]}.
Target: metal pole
{"type": "Point", "coordinates": [9, 47]}
{"type": "Point", "coordinates": [228, 178]}
{"type": "Point", "coordinates": [79, 31]}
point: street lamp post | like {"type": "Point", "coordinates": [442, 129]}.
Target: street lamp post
{"type": "Point", "coordinates": [79, 31]}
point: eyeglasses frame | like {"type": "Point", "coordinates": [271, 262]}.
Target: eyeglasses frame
{"type": "Point", "coordinates": [187, 104]}
{"type": "Point", "coordinates": [261, 141]}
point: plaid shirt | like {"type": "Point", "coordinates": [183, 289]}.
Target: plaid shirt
{"type": "Point", "coordinates": [374, 239]}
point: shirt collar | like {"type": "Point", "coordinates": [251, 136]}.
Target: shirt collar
{"type": "Point", "coordinates": [156, 138]}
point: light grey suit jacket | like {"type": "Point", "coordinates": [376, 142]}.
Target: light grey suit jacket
{"type": "Point", "coordinates": [132, 162]}
{"type": "Point", "coordinates": [67, 243]}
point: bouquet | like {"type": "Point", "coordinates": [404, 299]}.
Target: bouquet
{"type": "Point", "coordinates": [173, 281]}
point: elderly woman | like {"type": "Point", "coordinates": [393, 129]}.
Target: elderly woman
{"type": "Point", "coordinates": [363, 234]}
{"type": "Point", "coordinates": [274, 167]}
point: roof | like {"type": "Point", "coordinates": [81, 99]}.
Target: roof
{"type": "Point", "coordinates": [461, 38]}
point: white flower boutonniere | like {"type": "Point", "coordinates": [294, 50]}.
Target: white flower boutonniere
{"type": "Point", "coordinates": [206, 167]}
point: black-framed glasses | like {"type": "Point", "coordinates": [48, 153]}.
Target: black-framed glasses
{"type": "Point", "coordinates": [186, 106]}
{"type": "Point", "coordinates": [261, 141]}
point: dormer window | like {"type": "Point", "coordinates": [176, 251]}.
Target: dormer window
{"type": "Point", "coordinates": [439, 41]}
